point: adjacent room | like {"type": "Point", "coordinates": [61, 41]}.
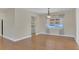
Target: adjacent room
{"type": "Point", "coordinates": [38, 29]}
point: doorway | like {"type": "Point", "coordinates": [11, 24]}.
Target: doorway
{"type": "Point", "coordinates": [33, 31]}
{"type": "Point", "coordinates": [1, 34]}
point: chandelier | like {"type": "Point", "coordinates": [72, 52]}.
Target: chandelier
{"type": "Point", "coordinates": [48, 16]}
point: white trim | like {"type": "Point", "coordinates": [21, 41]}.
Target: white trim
{"type": "Point", "coordinates": [38, 33]}
{"type": "Point", "coordinates": [22, 38]}
{"type": "Point", "coordinates": [69, 36]}
{"type": "Point", "coordinates": [77, 41]}
{"type": "Point", "coordinates": [14, 40]}
{"type": "Point", "coordinates": [0, 35]}
{"type": "Point", "coordinates": [9, 38]}
{"type": "Point", "coordinates": [57, 34]}
{"type": "Point", "coordinates": [41, 33]}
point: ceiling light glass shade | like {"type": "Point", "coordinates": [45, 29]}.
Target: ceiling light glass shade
{"type": "Point", "coordinates": [48, 16]}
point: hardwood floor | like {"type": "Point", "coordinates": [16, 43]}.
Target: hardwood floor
{"type": "Point", "coordinates": [40, 42]}
{"type": "Point", "coordinates": [1, 42]}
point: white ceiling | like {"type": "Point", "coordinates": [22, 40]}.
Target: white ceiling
{"type": "Point", "coordinates": [45, 10]}
{"type": "Point", "coordinates": [42, 10]}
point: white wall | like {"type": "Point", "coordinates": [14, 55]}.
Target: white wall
{"type": "Point", "coordinates": [77, 26]}
{"type": "Point", "coordinates": [23, 23]}
{"type": "Point", "coordinates": [9, 23]}
{"type": "Point", "coordinates": [17, 23]}
{"type": "Point", "coordinates": [20, 23]}
{"type": "Point", "coordinates": [2, 16]}
{"type": "Point", "coordinates": [42, 22]}
{"type": "Point", "coordinates": [69, 23]}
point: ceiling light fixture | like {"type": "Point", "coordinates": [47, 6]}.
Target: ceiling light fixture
{"type": "Point", "coordinates": [48, 16]}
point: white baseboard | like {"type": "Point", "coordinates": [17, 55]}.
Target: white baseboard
{"type": "Point", "coordinates": [22, 38]}
{"type": "Point", "coordinates": [77, 41]}
{"type": "Point", "coordinates": [0, 35]}
{"type": "Point", "coordinates": [41, 33]}
{"type": "Point", "coordinates": [69, 36]}
{"type": "Point", "coordinates": [9, 38]}
{"type": "Point", "coordinates": [38, 33]}
{"type": "Point", "coordinates": [58, 34]}
{"type": "Point", "coordinates": [15, 40]}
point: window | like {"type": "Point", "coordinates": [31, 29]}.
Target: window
{"type": "Point", "coordinates": [55, 23]}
